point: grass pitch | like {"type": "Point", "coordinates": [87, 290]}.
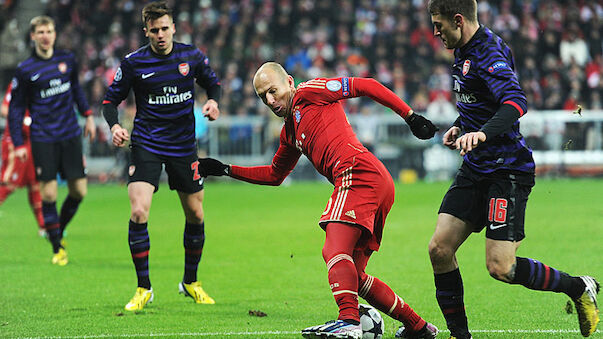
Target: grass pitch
{"type": "Point", "coordinates": [263, 252]}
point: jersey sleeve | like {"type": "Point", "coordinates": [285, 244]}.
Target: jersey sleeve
{"type": "Point", "coordinates": [324, 91]}
{"type": "Point", "coordinates": [283, 162]}
{"type": "Point", "coordinates": [207, 78]}
{"type": "Point", "coordinates": [499, 75]}
{"type": "Point", "coordinates": [17, 107]}
{"type": "Point", "coordinates": [78, 92]}
{"type": "Point", "coordinates": [122, 82]}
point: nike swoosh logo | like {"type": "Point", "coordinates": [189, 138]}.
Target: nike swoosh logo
{"type": "Point", "coordinates": [144, 76]}
{"type": "Point", "coordinates": [492, 227]}
{"type": "Point", "coordinates": [137, 242]}
{"type": "Point", "coordinates": [35, 77]}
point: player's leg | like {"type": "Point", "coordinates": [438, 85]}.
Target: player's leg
{"type": "Point", "coordinates": [183, 176]}
{"type": "Point", "coordinates": [382, 297]}
{"type": "Point", "coordinates": [503, 237]}
{"type": "Point", "coordinates": [449, 234]}
{"type": "Point", "coordinates": [193, 241]}
{"type": "Point", "coordinates": [77, 190]}
{"type": "Point", "coordinates": [6, 170]}
{"type": "Point", "coordinates": [48, 191]}
{"type": "Point", "coordinates": [6, 190]}
{"type": "Point", "coordinates": [72, 169]}
{"type": "Point", "coordinates": [33, 188]}
{"type": "Point", "coordinates": [35, 201]}
{"type": "Point", "coordinates": [338, 251]}
{"type": "Point", "coordinates": [140, 194]}
{"type": "Point", "coordinates": [47, 160]}
{"type": "Point", "coordinates": [144, 172]}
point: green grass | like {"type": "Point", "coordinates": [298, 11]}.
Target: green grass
{"type": "Point", "coordinates": [263, 252]}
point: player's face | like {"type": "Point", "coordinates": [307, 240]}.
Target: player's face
{"type": "Point", "coordinates": [275, 91]}
{"type": "Point", "coordinates": [43, 37]}
{"type": "Point", "coordinates": [447, 30]}
{"type": "Point", "coordinates": [161, 33]}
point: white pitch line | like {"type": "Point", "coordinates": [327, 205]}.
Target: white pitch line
{"type": "Point", "coordinates": [236, 334]}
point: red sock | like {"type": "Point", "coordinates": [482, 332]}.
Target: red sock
{"type": "Point", "coordinates": [5, 191]}
{"type": "Point", "coordinates": [343, 280]}
{"type": "Point", "coordinates": [343, 276]}
{"type": "Point", "coordinates": [35, 201]}
{"type": "Point", "coordinates": [381, 296]}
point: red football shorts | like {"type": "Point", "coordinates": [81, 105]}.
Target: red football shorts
{"type": "Point", "coordinates": [363, 196]}
{"type": "Point", "coordinates": [13, 170]}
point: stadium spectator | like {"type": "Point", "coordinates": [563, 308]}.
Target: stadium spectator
{"type": "Point", "coordinates": [162, 75]}
{"type": "Point", "coordinates": [353, 223]}
{"type": "Point", "coordinates": [497, 175]}
{"type": "Point", "coordinates": [249, 32]}
{"type": "Point", "coordinates": [15, 173]}
{"type": "Point", "coordinates": [573, 48]}
{"type": "Point", "coordinates": [56, 141]}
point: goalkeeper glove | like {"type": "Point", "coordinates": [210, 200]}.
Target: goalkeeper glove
{"type": "Point", "coordinates": [421, 127]}
{"type": "Point", "coordinates": [209, 166]}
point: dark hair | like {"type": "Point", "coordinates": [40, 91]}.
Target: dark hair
{"type": "Point", "coordinates": [449, 8]}
{"type": "Point", "coordinates": [155, 10]}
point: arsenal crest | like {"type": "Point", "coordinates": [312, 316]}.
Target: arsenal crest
{"type": "Point", "coordinates": [62, 67]}
{"type": "Point", "coordinates": [466, 66]}
{"type": "Point", "coordinates": [183, 68]}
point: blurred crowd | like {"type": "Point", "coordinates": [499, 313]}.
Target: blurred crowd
{"type": "Point", "coordinates": [557, 45]}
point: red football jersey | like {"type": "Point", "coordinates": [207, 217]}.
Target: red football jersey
{"type": "Point", "coordinates": [319, 128]}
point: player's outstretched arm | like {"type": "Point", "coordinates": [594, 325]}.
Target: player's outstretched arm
{"type": "Point", "coordinates": [420, 126]}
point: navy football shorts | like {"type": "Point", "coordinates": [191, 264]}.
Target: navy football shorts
{"type": "Point", "coordinates": [61, 157]}
{"type": "Point", "coordinates": [183, 173]}
{"type": "Point", "coordinates": [496, 201]}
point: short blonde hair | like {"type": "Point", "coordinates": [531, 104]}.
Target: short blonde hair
{"type": "Point", "coordinates": [40, 20]}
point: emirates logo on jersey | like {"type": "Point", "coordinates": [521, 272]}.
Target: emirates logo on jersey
{"type": "Point", "coordinates": [466, 67]}
{"type": "Point", "coordinates": [184, 68]}
{"type": "Point", "coordinates": [62, 67]}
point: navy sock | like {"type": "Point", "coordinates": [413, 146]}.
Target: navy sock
{"type": "Point", "coordinates": [537, 276]}
{"type": "Point", "coordinates": [68, 209]}
{"type": "Point", "coordinates": [194, 238]}
{"type": "Point", "coordinates": [51, 223]}
{"type": "Point", "coordinates": [138, 239]}
{"type": "Point", "coordinates": [449, 294]}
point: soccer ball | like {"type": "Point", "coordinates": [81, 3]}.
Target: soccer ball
{"type": "Point", "coordinates": [371, 322]}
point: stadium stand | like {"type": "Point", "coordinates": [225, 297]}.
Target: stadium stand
{"type": "Point", "coordinates": [557, 44]}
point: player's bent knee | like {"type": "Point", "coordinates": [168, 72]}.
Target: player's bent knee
{"type": "Point", "coordinates": [500, 271]}
{"type": "Point", "coordinates": [439, 254]}
{"type": "Point", "coordinates": [139, 214]}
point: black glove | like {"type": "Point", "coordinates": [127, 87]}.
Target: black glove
{"type": "Point", "coordinates": [421, 127]}
{"type": "Point", "coordinates": [209, 166]}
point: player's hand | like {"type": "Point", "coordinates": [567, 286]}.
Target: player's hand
{"type": "Point", "coordinates": [209, 166]}
{"type": "Point", "coordinates": [21, 153]}
{"type": "Point", "coordinates": [449, 139]}
{"type": "Point", "coordinates": [467, 142]}
{"type": "Point", "coordinates": [210, 110]}
{"type": "Point", "coordinates": [421, 127]}
{"type": "Point", "coordinates": [119, 135]}
{"type": "Point", "coordinates": [90, 128]}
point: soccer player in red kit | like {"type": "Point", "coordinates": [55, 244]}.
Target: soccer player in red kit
{"type": "Point", "coordinates": [316, 126]}
{"type": "Point", "coordinates": [15, 173]}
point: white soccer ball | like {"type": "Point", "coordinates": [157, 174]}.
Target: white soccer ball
{"type": "Point", "coordinates": [371, 322]}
